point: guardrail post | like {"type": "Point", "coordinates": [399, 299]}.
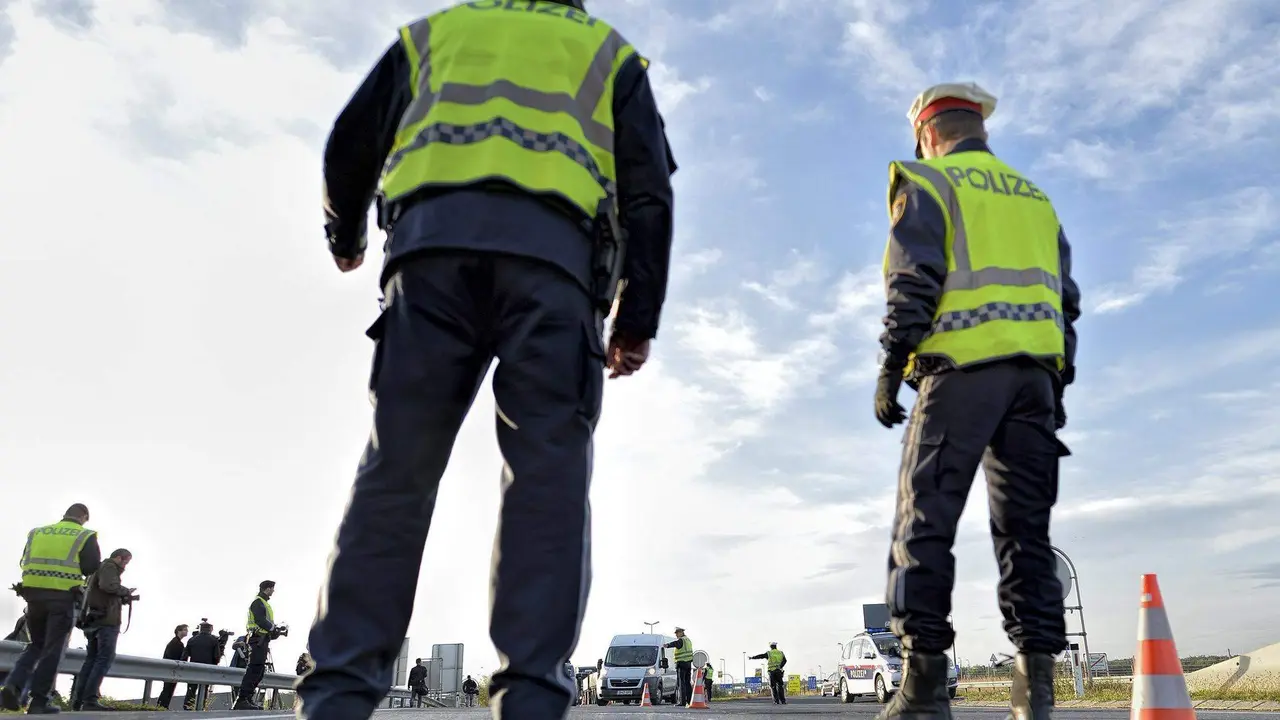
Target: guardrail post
{"type": "Point", "coordinates": [146, 692]}
{"type": "Point", "coordinates": [201, 690]}
{"type": "Point", "coordinates": [275, 699]}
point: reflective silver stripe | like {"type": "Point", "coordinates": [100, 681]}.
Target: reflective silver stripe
{"type": "Point", "coordinates": [964, 277]}
{"type": "Point", "coordinates": [581, 105]}
{"type": "Point", "coordinates": [1154, 625]}
{"type": "Point", "coordinates": [1161, 692]}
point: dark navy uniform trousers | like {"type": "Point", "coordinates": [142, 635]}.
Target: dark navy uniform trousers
{"type": "Point", "coordinates": [999, 416]}
{"type": "Point", "coordinates": [447, 316]}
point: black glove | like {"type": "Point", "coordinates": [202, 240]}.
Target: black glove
{"type": "Point", "coordinates": [1059, 411]}
{"type": "Point", "coordinates": [888, 411]}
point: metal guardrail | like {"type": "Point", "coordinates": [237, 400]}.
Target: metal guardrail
{"type": "Point", "coordinates": [132, 667]}
{"type": "Point", "coordinates": [1007, 683]}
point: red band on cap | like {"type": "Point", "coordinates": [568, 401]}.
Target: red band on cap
{"type": "Point", "coordinates": [943, 105]}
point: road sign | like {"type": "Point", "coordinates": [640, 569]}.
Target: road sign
{"type": "Point", "coordinates": [1099, 665]}
{"type": "Point", "coordinates": [793, 684]}
{"type": "Point", "coordinates": [1063, 571]}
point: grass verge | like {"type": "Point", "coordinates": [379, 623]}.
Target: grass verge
{"type": "Point", "coordinates": [1105, 691]}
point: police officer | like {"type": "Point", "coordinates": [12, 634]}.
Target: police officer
{"type": "Point", "coordinates": [981, 315]}
{"type": "Point", "coordinates": [708, 679]}
{"type": "Point", "coordinates": [776, 660]}
{"type": "Point", "coordinates": [509, 139]}
{"type": "Point", "coordinates": [56, 560]}
{"type": "Point", "coordinates": [261, 629]}
{"type": "Point", "coordinates": [684, 666]}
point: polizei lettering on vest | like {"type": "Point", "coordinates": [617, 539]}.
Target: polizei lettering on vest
{"type": "Point", "coordinates": [534, 6]}
{"type": "Point", "coordinates": [999, 184]}
{"type": "Point", "coordinates": [59, 531]}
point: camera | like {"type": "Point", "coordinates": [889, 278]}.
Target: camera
{"type": "Point", "coordinates": [132, 599]}
{"type": "Point", "coordinates": [281, 630]}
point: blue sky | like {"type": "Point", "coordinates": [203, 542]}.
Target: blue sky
{"type": "Point", "coordinates": [180, 347]}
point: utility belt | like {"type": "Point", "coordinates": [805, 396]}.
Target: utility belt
{"type": "Point", "coordinates": [608, 241]}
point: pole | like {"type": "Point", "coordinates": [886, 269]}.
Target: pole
{"type": "Point", "coordinates": [650, 624]}
{"type": "Point", "coordinates": [1079, 607]}
{"type": "Point", "coordinates": [744, 666]}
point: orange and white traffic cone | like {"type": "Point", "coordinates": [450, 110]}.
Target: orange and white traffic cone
{"type": "Point", "coordinates": [644, 698]}
{"type": "Point", "coordinates": [699, 701]}
{"type": "Point", "coordinates": [1159, 687]}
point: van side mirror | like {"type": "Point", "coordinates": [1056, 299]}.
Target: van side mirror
{"type": "Point", "coordinates": [869, 655]}
{"type": "Point", "coordinates": [665, 664]}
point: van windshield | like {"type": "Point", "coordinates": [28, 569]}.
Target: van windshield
{"type": "Point", "coordinates": [631, 656]}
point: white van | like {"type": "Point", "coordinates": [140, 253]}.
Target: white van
{"type": "Point", "coordinates": [634, 661]}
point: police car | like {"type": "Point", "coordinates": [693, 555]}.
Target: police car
{"type": "Point", "coordinates": [871, 664]}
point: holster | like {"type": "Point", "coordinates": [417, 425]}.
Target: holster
{"type": "Point", "coordinates": [608, 256]}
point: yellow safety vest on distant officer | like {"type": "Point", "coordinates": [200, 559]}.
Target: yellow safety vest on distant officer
{"type": "Point", "coordinates": [684, 653]}
{"type": "Point", "coordinates": [774, 659]}
{"type": "Point", "coordinates": [51, 559]}
{"type": "Point", "coordinates": [252, 625]}
{"type": "Point", "coordinates": [1002, 296]}
{"type": "Point", "coordinates": [520, 91]}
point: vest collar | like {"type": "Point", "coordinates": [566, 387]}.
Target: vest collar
{"type": "Point", "coordinates": [971, 145]}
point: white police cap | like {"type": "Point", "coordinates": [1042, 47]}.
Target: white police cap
{"type": "Point", "coordinates": [950, 96]}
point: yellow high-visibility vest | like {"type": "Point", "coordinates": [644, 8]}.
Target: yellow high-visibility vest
{"type": "Point", "coordinates": [51, 558]}
{"type": "Point", "coordinates": [514, 91]}
{"type": "Point", "coordinates": [684, 652]}
{"type": "Point", "coordinates": [252, 625]}
{"type": "Point", "coordinates": [774, 659]}
{"type": "Point", "coordinates": [1002, 296]}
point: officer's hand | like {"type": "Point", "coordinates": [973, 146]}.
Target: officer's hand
{"type": "Point", "coordinates": [346, 265]}
{"type": "Point", "coordinates": [888, 411]}
{"type": "Point", "coordinates": [625, 355]}
{"type": "Point", "coordinates": [1059, 412]}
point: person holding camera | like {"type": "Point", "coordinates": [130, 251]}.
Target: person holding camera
{"type": "Point", "coordinates": [100, 621]}
{"type": "Point", "coordinates": [261, 630]}
{"type": "Point", "coordinates": [55, 562]}
{"type": "Point", "coordinates": [205, 648]}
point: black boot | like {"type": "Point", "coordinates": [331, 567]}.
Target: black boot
{"type": "Point", "coordinates": [1031, 697]}
{"type": "Point", "coordinates": [42, 707]}
{"type": "Point", "coordinates": [923, 694]}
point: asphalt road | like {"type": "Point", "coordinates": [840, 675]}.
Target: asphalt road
{"type": "Point", "coordinates": [861, 710]}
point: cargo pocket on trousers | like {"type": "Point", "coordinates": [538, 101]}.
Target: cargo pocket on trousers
{"type": "Point", "coordinates": [375, 333]}
{"type": "Point", "coordinates": [923, 459]}
{"type": "Point", "coordinates": [591, 379]}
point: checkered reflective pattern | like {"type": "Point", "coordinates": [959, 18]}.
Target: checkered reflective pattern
{"type": "Point", "coordinates": [1022, 312]}
{"type": "Point", "coordinates": [501, 127]}
{"type": "Point", "coordinates": [54, 574]}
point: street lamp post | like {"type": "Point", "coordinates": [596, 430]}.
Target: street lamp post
{"type": "Point", "coordinates": [650, 624]}
{"type": "Point", "coordinates": [744, 666]}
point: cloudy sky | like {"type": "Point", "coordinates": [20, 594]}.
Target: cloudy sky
{"type": "Point", "coordinates": [181, 355]}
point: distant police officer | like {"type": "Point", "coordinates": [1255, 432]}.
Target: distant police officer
{"type": "Point", "coordinates": [514, 142]}
{"type": "Point", "coordinates": [261, 629]}
{"type": "Point", "coordinates": [684, 666]}
{"type": "Point", "coordinates": [776, 660]}
{"type": "Point", "coordinates": [55, 562]}
{"type": "Point", "coordinates": [981, 313]}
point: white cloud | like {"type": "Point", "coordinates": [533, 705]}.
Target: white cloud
{"type": "Point", "coordinates": [1237, 222]}
{"type": "Point", "coordinates": [186, 348]}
